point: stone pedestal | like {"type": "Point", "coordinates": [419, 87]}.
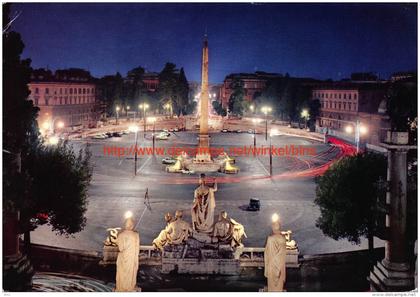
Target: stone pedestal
{"type": "Point", "coordinates": [393, 273]}
{"type": "Point", "coordinates": [197, 257]}
{"type": "Point", "coordinates": [203, 141]}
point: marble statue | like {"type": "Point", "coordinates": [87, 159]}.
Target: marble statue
{"type": "Point", "coordinates": [111, 239]}
{"type": "Point", "coordinates": [275, 259]}
{"type": "Point", "coordinates": [162, 239]}
{"type": "Point", "coordinates": [202, 211]}
{"type": "Point", "coordinates": [179, 230]}
{"type": "Point", "coordinates": [228, 230]}
{"type": "Point", "coordinates": [290, 243]}
{"type": "Point", "coordinates": [128, 242]}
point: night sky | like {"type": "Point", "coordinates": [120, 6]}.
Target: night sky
{"type": "Point", "coordinates": [312, 40]}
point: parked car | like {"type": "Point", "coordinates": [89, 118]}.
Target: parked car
{"type": "Point", "coordinates": [116, 134]}
{"type": "Point", "coordinates": [176, 129]}
{"type": "Point", "coordinates": [108, 134]}
{"type": "Point", "coordinates": [238, 131]}
{"type": "Point", "coordinates": [225, 130]}
{"type": "Point", "coordinates": [125, 132]}
{"type": "Point", "coordinates": [168, 161]}
{"type": "Point", "coordinates": [162, 136]}
{"type": "Point", "coordinates": [187, 171]}
{"type": "Point", "coordinates": [100, 136]}
{"type": "Point", "coordinates": [254, 204]}
{"type": "Point", "coordinates": [250, 131]}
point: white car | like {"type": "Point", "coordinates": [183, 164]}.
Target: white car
{"type": "Point", "coordinates": [100, 136]}
{"type": "Point", "coordinates": [161, 137]}
{"type": "Point", "coordinates": [168, 161]}
{"type": "Point", "coordinates": [187, 171]}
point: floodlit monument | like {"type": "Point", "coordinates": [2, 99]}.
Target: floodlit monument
{"type": "Point", "coordinates": [207, 246]}
{"type": "Point", "coordinates": [203, 161]}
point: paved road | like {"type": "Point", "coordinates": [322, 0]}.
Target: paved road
{"type": "Point", "coordinates": [115, 189]}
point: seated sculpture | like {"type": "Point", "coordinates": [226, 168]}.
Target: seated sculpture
{"type": "Point", "coordinates": [179, 230]}
{"type": "Point", "coordinates": [162, 239]}
{"type": "Point", "coordinates": [227, 230]}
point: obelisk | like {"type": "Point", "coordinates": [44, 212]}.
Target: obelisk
{"type": "Point", "coordinates": [204, 97]}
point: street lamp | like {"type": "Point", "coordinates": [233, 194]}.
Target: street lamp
{"type": "Point", "coordinates": [168, 106]}
{"type": "Point", "coordinates": [53, 140]}
{"type": "Point", "coordinates": [134, 129]}
{"type": "Point", "coordinates": [153, 120]}
{"type": "Point", "coordinates": [126, 110]}
{"type": "Point", "coordinates": [252, 107]}
{"type": "Point", "coordinates": [50, 125]}
{"type": "Point", "coordinates": [117, 109]}
{"type": "Point", "coordinates": [272, 132]}
{"type": "Point", "coordinates": [144, 106]}
{"type": "Point", "coordinates": [255, 121]}
{"type": "Point", "coordinates": [266, 110]}
{"type": "Point", "coordinates": [305, 115]}
{"type": "Point", "coordinates": [359, 130]}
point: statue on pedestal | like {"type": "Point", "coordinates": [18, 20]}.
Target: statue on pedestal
{"type": "Point", "coordinates": [179, 230]}
{"type": "Point", "coordinates": [275, 258]}
{"type": "Point", "coordinates": [128, 242]}
{"type": "Point", "coordinates": [227, 230]}
{"type": "Point", "coordinates": [160, 241]}
{"type": "Point", "coordinates": [202, 211]}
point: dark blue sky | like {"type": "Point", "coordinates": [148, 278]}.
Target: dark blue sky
{"type": "Point", "coordinates": [314, 40]}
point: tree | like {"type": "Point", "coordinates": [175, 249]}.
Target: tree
{"type": "Point", "coordinates": [236, 102]}
{"type": "Point", "coordinates": [19, 115]}
{"type": "Point", "coordinates": [111, 88]}
{"type": "Point", "coordinates": [182, 91]}
{"type": "Point", "coordinates": [402, 106]}
{"type": "Point", "coordinates": [56, 190]}
{"type": "Point", "coordinates": [218, 108]}
{"type": "Point", "coordinates": [38, 180]}
{"type": "Point", "coordinates": [173, 88]}
{"type": "Point", "coordinates": [348, 194]}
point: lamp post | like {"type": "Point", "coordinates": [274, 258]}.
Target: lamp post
{"type": "Point", "coordinates": [266, 110]}
{"type": "Point", "coordinates": [50, 125]}
{"type": "Point", "coordinates": [117, 109]}
{"type": "Point", "coordinates": [272, 132]}
{"type": "Point", "coordinates": [126, 110]}
{"type": "Point", "coordinates": [255, 121]}
{"type": "Point", "coordinates": [359, 130]}
{"type": "Point", "coordinates": [251, 107]}
{"type": "Point", "coordinates": [144, 106]}
{"type": "Point", "coordinates": [134, 129]}
{"type": "Point", "coordinates": [153, 120]}
{"type": "Point", "coordinates": [305, 115]}
{"type": "Point", "coordinates": [168, 106]}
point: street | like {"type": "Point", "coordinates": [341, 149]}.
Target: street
{"type": "Point", "coordinates": [290, 192]}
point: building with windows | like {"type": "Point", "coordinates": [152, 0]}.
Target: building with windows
{"type": "Point", "coordinates": [151, 81]}
{"type": "Point", "coordinates": [342, 104]}
{"type": "Point", "coordinates": [66, 96]}
{"type": "Point", "coordinates": [253, 84]}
